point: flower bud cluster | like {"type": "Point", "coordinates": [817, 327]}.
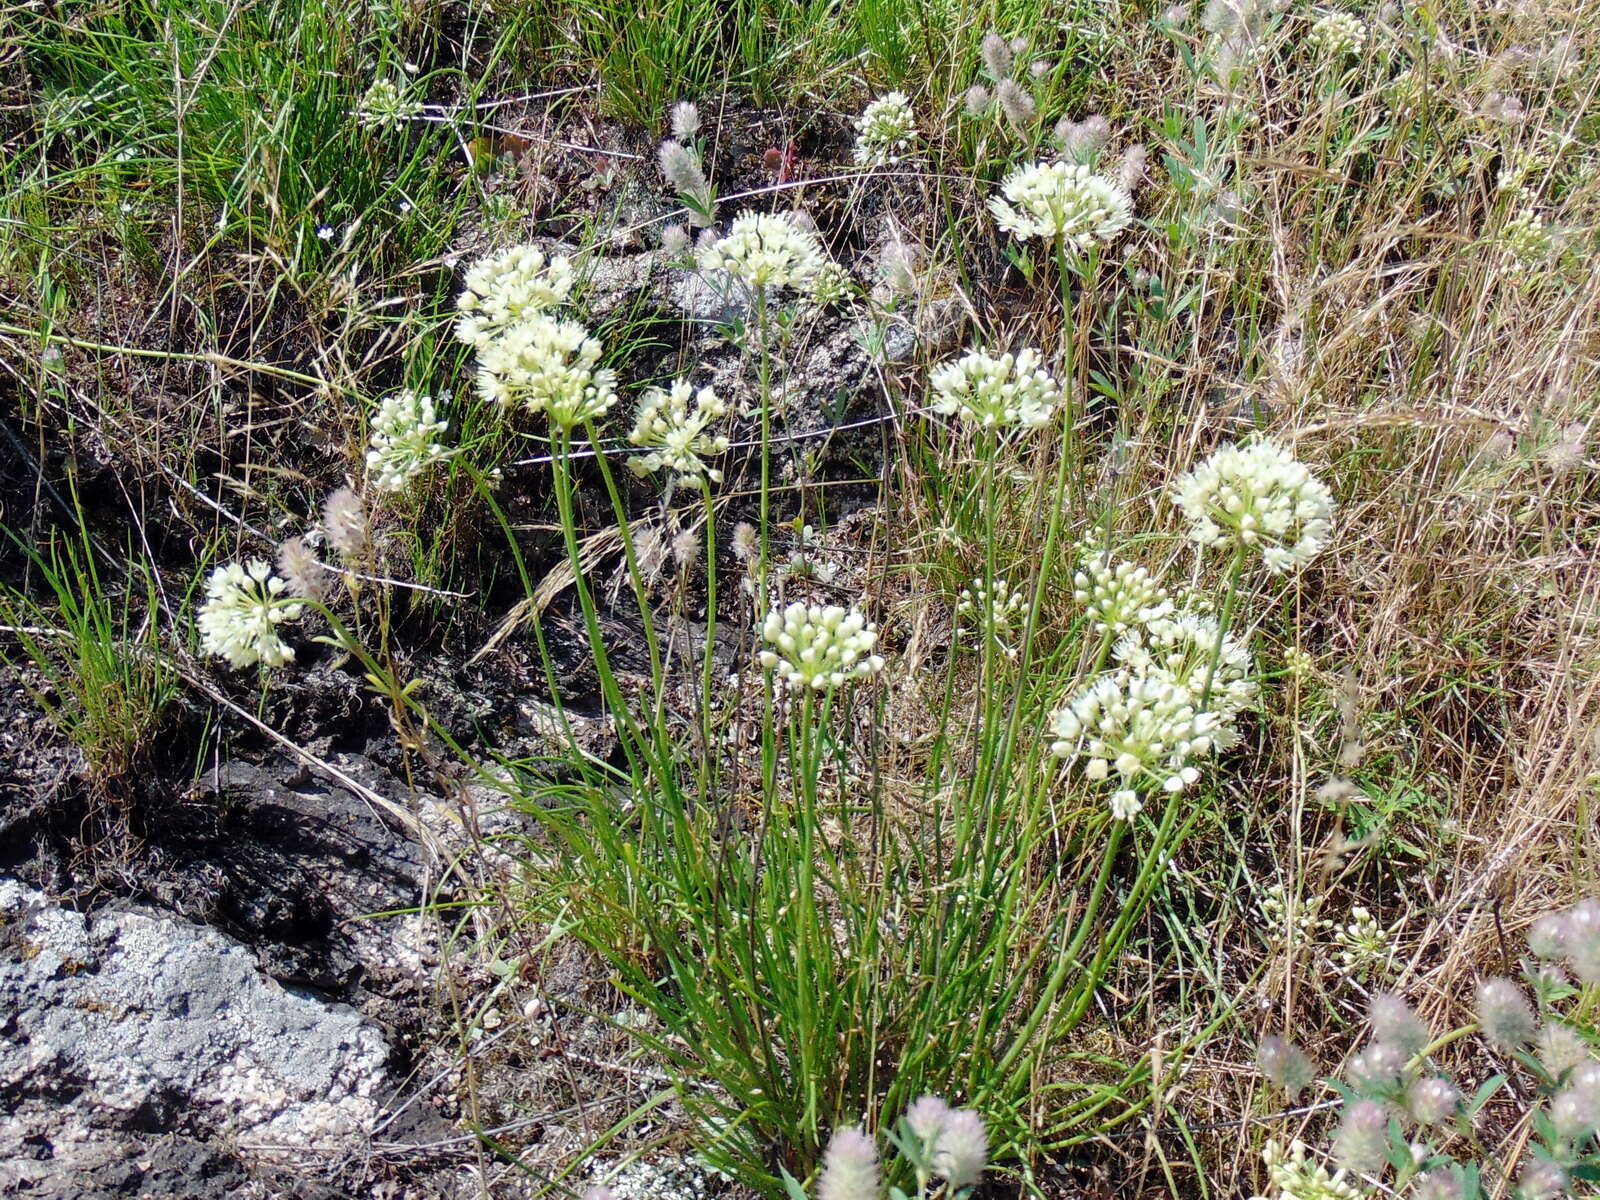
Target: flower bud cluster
{"type": "Point", "coordinates": [387, 104]}
{"type": "Point", "coordinates": [1061, 201]}
{"type": "Point", "coordinates": [1257, 496]}
{"type": "Point", "coordinates": [763, 250]}
{"type": "Point", "coordinates": [818, 647]}
{"type": "Point", "coordinates": [244, 605]}
{"type": "Point", "coordinates": [548, 366]}
{"type": "Point", "coordinates": [1338, 34]}
{"type": "Point", "coordinates": [996, 392]}
{"type": "Point", "coordinates": [675, 431]}
{"type": "Point", "coordinates": [1117, 595]}
{"type": "Point", "coordinates": [1294, 1175]}
{"type": "Point", "coordinates": [885, 130]}
{"type": "Point", "coordinates": [403, 442]}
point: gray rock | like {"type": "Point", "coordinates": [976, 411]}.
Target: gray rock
{"type": "Point", "coordinates": [130, 1021]}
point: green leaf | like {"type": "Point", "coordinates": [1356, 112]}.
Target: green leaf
{"type": "Point", "coordinates": [793, 1186]}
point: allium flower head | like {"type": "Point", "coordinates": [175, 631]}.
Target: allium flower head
{"type": "Point", "coordinates": [818, 647]}
{"type": "Point", "coordinates": [1527, 238]}
{"type": "Point", "coordinates": [403, 440]}
{"type": "Point", "coordinates": [1061, 200]}
{"type": "Point", "coordinates": [1285, 1065]}
{"type": "Point", "coordinates": [962, 1149]}
{"type": "Point", "coordinates": [673, 425]}
{"type": "Point", "coordinates": [992, 609]}
{"type": "Point", "coordinates": [548, 366]}
{"type": "Point", "coordinates": [245, 603]}
{"type": "Point", "coordinates": [1146, 729]}
{"type": "Point", "coordinates": [1338, 34]}
{"type": "Point", "coordinates": [1180, 649]}
{"type": "Point", "coordinates": [885, 130]}
{"type": "Point", "coordinates": [387, 104]}
{"type": "Point", "coordinates": [1505, 1014]}
{"type": "Point", "coordinates": [508, 288]}
{"type": "Point", "coordinates": [1119, 596]}
{"type": "Point", "coordinates": [765, 251]}
{"type": "Point", "coordinates": [1011, 390]}
{"type": "Point", "coordinates": [1294, 1175]}
{"type": "Point", "coordinates": [1362, 1142]}
{"type": "Point", "coordinates": [1259, 496]}
{"type": "Point", "coordinates": [849, 1167]}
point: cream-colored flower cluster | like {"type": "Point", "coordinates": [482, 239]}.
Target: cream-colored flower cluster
{"type": "Point", "coordinates": [1259, 497]}
{"type": "Point", "coordinates": [1118, 595]}
{"type": "Point", "coordinates": [995, 609]}
{"type": "Point", "coordinates": [673, 425]}
{"type": "Point", "coordinates": [816, 647]}
{"type": "Point", "coordinates": [1339, 34]}
{"type": "Point", "coordinates": [885, 130]}
{"type": "Point", "coordinates": [387, 104]}
{"type": "Point", "coordinates": [548, 366]}
{"type": "Point", "coordinates": [1060, 200]}
{"type": "Point", "coordinates": [245, 603]}
{"type": "Point", "coordinates": [404, 441]}
{"type": "Point", "coordinates": [1296, 1176]}
{"type": "Point", "coordinates": [996, 392]}
{"type": "Point", "coordinates": [763, 250]}
{"type": "Point", "coordinates": [506, 289]}
{"type": "Point", "coordinates": [1182, 649]}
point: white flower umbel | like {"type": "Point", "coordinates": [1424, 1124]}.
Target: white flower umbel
{"type": "Point", "coordinates": [1295, 1176]}
{"type": "Point", "coordinates": [508, 288]}
{"type": "Point", "coordinates": [818, 648]}
{"type": "Point", "coordinates": [404, 433]}
{"type": "Point", "coordinates": [1338, 34]}
{"type": "Point", "coordinates": [765, 251]}
{"type": "Point", "coordinates": [1260, 497]}
{"type": "Point", "coordinates": [1061, 200]}
{"type": "Point", "coordinates": [548, 366]}
{"type": "Point", "coordinates": [387, 104]}
{"type": "Point", "coordinates": [992, 393]}
{"type": "Point", "coordinates": [1119, 596]}
{"type": "Point", "coordinates": [996, 611]}
{"type": "Point", "coordinates": [1144, 728]}
{"type": "Point", "coordinates": [885, 130]}
{"type": "Point", "coordinates": [245, 603]}
{"type": "Point", "coordinates": [1527, 238]}
{"type": "Point", "coordinates": [1180, 648]}
{"type": "Point", "coordinates": [672, 425]}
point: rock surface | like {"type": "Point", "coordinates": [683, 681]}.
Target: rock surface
{"type": "Point", "coordinates": [123, 1022]}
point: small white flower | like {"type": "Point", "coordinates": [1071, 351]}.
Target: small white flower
{"type": "Point", "coordinates": [1258, 496]}
{"type": "Point", "coordinates": [325, 233]}
{"type": "Point", "coordinates": [818, 648]}
{"type": "Point", "coordinates": [1118, 595]}
{"type": "Point", "coordinates": [764, 251]}
{"type": "Point", "coordinates": [885, 130]}
{"type": "Point", "coordinates": [239, 621]}
{"type": "Point", "coordinates": [508, 288]}
{"type": "Point", "coordinates": [1338, 34]}
{"type": "Point", "coordinates": [1146, 729]}
{"type": "Point", "coordinates": [990, 392]}
{"type": "Point", "coordinates": [387, 104]}
{"type": "Point", "coordinates": [548, 366]}
{"type": "Point", "coordinates": [677, 432]}
{"type": "Point", "coordinates": [403, 442]}
{"type": "Point", "coordinates": [1061, 200]}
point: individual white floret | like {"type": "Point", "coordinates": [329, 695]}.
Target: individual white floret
{"type": "Point", "coordinates": [1119, 596]}
{"type": "Point", "coordinates": [1061, 200]}
{"type": "Point", "coordinates": [1011, 390]}
{"type": "Point", "coordinates": [245, 603]}
{"type": "Point", "coordinates": [548, 366]}
{"type": "Point", "coordinates": [673, 425]}
{"type": "Point", "coordinates": [818, 647]}
{"type": "Point", "coordinates": [508, 288]}
{"type": "Point", "coordinates": [1257, 496]}
{"type": "Point", "coordinates": [1339, 33]}
{"type": "Point", "coordinates": [404, 440]}
{"type": "Point", "coordinates": [1145, 729]}
{"type": "Point", "coordinates": [387, 104]}
{"type": "Point", "coordinates": [885, 130]}
{"type": "Point", "coordinates": [765, 251]}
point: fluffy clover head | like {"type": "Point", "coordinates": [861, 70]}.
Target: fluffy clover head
{"type": "Point", "coordinates": [675, 432]}
{"type": "Point", "coordinates": [1145, 728]}
{"type": "Point", "coordinates": [1061, 200]}
{"type": "Point", "coordinates": [1119, 596]}
{"type": "Point", "coordinates": [403, 440]}
{"type": "Point", "coordinates": [548, 366]}
{"type": "Point", "coordinates": [765, 251]}
{"type": "Point", "coordinates": [818, 648]}
{"type": "Point", "coordinates": [508, 288]}
{"type": "Point", "coordinates": [245, 602]}
{"type": "Point", "coordinates": [990, 392]}
{"type": "Point", "coordinates": [885, 130]}
{"type": "Point", "coordinates": [1257, 496]}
